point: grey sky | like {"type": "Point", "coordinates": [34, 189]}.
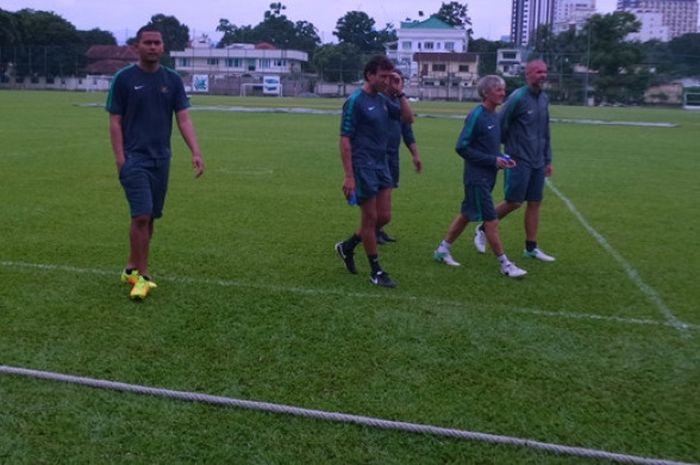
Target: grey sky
{"type": "Point", "coordinates": [491, 18]}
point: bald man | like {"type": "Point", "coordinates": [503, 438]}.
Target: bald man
{"type": "Point", "coordinates": [524, 122]}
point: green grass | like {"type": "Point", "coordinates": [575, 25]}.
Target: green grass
{"type": "Point", "coordinates": [270, 314]}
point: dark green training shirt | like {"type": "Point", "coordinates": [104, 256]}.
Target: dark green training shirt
{"type": "Point", "coordinates": [146, 102]}
{"type": "Point", "coordinates": [525, 127]}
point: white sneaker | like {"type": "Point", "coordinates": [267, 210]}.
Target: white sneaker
{"type": "Point", "coordinates": [480, 239]}
{"type": "Point", "coordinates": [445, 257]}
{"type": "Point", "coordinates": [537, 254]}
{"type": "Point", "coordinates": [511, 270]}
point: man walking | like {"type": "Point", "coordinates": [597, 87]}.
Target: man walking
{"type": "Point", "coordinates": [525, 132]}
{"type": "Point", "coordinates": [141, 103]}
{"type": "Point", "coordinates": [364, 135]}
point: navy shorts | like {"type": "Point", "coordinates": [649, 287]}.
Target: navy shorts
{"type": "Point", "coordinates": [478, 203]}
{"type": "Point", "coordinates": [369, 181]}
{"type": "Point", "coordinates": [524, 183]}
{"type": "Point", "coordinates": [145, 183]}
{"type": "Point", "coordinates": [393, 161]}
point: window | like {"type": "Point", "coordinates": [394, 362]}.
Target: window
{"type": "Point", "coordinates": [428, 45]}
{"type": "Point", "coordinates": [439, 67]}
{"type": "Point", "coordinates": [438, 45]}
{"type": "Point", "coordinates": [406, 45]}
{"type": "Point", "coordinates": [265, 62]}
{"type": "Point", "coordinates": [280, 63]}
{"type": "Point", "coordinates": [213, 61]}
{"type": "Point", "coordinates": [184, 61]}
{"type": "Point", "coordinates": [509, 55]}
{"type": "Point", "coordinates": [233, 62]}
{"type": "Point", "coordinates": [463, 68]}
{"type": "Point", "coordinates": [450, 46]}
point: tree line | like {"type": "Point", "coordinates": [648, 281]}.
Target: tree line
{"type": "Point", "coordinates": [595, 60]}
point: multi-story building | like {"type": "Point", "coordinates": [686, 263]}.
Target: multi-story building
{"type": "Point", "coordinates": [432, 36]}
{"type": "Point", "coordinates": [571, 14]}
{"type": "Point", "coordinates": [679, 16]}
{"type": "Point", "coordinates": [652, 26]}
{"type": "Point", "coordinates": [527, 16]}
{"type": "Point", "coordinates": [238, 59]}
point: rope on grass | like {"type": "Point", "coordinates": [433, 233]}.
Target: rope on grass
{"type": "Point", "coordinates": [337, 417]}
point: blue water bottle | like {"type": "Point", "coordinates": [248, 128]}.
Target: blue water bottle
{"type": "Point", "coordinates": [352, 200]}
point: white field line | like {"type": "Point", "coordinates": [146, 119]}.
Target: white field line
{"type": "Point", "coordinates": [342, 293]}
{"type": "Point", "coordinates": [632, 273]}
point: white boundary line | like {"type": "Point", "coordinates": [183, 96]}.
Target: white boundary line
{"type": "Point", "coordinates": [338, 417]}
{"type": "Point", "coordinates": [632, 273]}
{"type": "Point", "coordinates": [342, 293]}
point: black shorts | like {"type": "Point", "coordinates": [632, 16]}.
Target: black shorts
{"type": "Point", "coordinates": [145, 183]}
{"type": "Point", "coordinates": [478, 203]}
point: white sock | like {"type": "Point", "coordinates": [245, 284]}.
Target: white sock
{"type": "Point", "coordinates": [503, 259]}
{"type": "Point", "coordinates": [444, 247]}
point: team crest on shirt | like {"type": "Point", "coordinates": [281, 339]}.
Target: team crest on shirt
{"type": "Point", "coordinates": [164, 89]}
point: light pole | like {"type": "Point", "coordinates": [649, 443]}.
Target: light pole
{"type": "Point", "coordinates": [588, 64]}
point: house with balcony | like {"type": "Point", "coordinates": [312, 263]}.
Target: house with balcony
{"type": "Point", "coordinates": [236, 67]}
{"type": "Point", "coordinates": [432, 36]}
{"type": "Point", "coordinates": [511, 61]}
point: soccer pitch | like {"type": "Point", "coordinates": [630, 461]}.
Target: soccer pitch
{"type": "Point", "coordinates": [600, 349]}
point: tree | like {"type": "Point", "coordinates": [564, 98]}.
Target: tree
{"type": "Point", "coordinates": [487, 51]}
{"type": "Point", "coordinates": [50, 45]}
{"type": "Point", "coordinates": [275, 28]}
{"type": "Point", "coordinates": [357, 28]}
{"type": "Point", "coordinates": [338, 63]}
{"type": "Point", "coordinates": [96, 37]}
{"type": "Point", "coordinates": [9, 30]}
{"type": "Point", "coordinates": [615, 60]}
{"type": "Point", "coordinates": [175, 34]}
{"type": "Point", "coordinates": [685, 51]}
{"type": "Point", "coordinates": [455, 14]}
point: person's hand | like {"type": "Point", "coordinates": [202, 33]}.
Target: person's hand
{"type": "Point", "coordinates": [418, 164]}
{"type": "Point", "coordinates": [348, 186]}
{"type": "Point", "coordinates": [395, 84]}
{"type": "Point", "coordinates": [120, 164]}
{"type": "Point", "coordinates": [503, 162]}
{"type": "Point", "coordinates": [548, 170]}
{"type": "Point", "coordinates": [197, 164]}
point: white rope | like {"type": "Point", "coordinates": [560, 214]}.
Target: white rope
{"type": "Point", "coordinates": [337, 417]}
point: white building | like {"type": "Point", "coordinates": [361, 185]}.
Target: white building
{"type": "Point", "coordinates": [511, 61]}
{"type": "Point", "coordinates": [238, 59]}
{"type": "Point", "coordinates": [569, 14]}
{"type": "Point", "coordinates": [652, 26]}
{"type": "Point", "coordinates": [679, 16]}
{"type": "Point", "coordinates": [430, 36]}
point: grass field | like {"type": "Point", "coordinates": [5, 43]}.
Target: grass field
{"type": "Point", "coordinates": [252, 303]}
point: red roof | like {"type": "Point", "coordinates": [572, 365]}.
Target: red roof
{"type": "Point", "coordinates": [446, 57]}
{"type": "Point", "coordinates": [265, 46]}
{"type": "Point", "coordinates": [112, 52]}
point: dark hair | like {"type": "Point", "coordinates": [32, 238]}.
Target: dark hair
{"type": "Point", "coordinates": [146, 28]}
{"type": "Point", "coordinates": [376, 63]}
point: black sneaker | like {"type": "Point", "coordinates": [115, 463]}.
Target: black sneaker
{"type": "Point", "coordinates": [383, 237]}
{"type": "Point", "coordinates": [381, 278]}
{"type": "Point", "coordinates": [348, 257]}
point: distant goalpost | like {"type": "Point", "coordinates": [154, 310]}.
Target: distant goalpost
{"type": "Point", "coordinates": [691, 98]}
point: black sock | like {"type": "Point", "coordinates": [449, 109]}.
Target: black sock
{"type": "Point", "coordinates": [481, 228]}
{"type": "Point", "coordinates": [350, 244]}
{"type": "Point", "coordinates": [530, 245]}
{"type": "Point", "coordinates": [146, 277]}
{"type": "Point", "coordinates": [129, 270]}
{"type": "Point", "coordinates": [374, 263]}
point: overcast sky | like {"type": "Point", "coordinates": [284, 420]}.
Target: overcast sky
{"type": "Point", "coordinates": [490, 18]}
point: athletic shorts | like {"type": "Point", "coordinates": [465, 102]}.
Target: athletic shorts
{"type": "Point", "coordinates": [478, 203]}
{"type": "Point", "coordinates": [393, 161]}
{"type": "Point", "coordinates": [145, 183]}
{"type": "Point", "coordinates": [524, 183]}
{"type": "Point", "coordinates": [369, 181]}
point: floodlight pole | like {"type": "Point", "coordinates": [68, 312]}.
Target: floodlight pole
{"type": "Point", "coordinates": [588, 64]}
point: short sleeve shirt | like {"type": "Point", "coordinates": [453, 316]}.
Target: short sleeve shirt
{"type": "Point", "coordinates": [146, 103]}
{"type": "Point", "coordinates": [365, 121]}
